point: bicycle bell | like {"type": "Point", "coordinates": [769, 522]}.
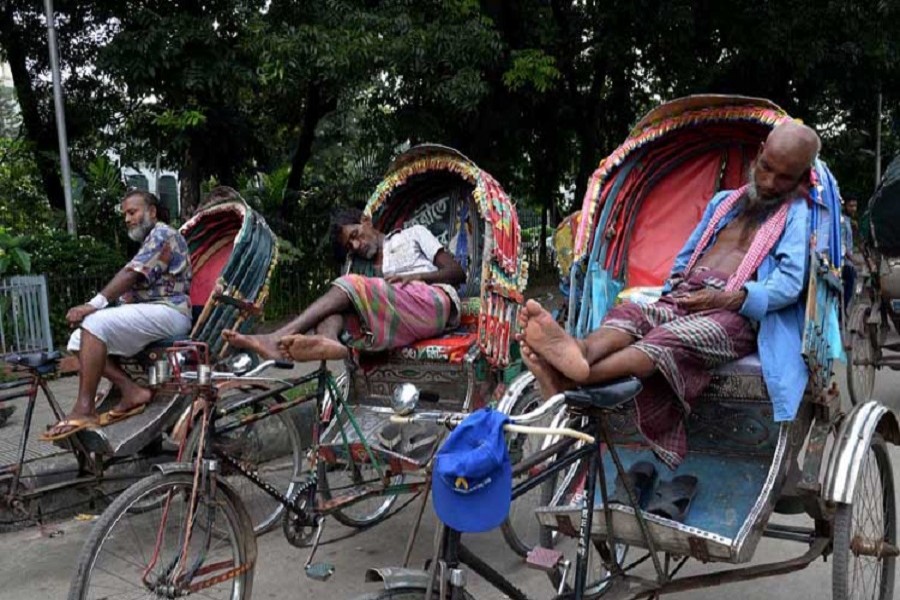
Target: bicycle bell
{"type": "Point", "coordinates": [405, 398]}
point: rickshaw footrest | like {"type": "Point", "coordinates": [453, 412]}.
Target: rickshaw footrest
{"type": "Point", "coordinates": [543, 559]}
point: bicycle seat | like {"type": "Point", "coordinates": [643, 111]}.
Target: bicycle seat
{"type": "Point", "coordinates": [34, 360]}
{"type": "Point", "coordinates": [606, 397]}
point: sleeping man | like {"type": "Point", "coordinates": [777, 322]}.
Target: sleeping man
{"type": "Point", "coordinates": [413, 296]}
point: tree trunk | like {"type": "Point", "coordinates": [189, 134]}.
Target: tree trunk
{"type": "Point", "coordinates": [316, 108]}
{"type": "Point", "coordinates": [189, 178]}
{"type": "Point", "coordinates": [41, 134]}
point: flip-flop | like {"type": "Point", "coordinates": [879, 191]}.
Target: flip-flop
{"type": "Point", "coordinates": [114, 416]}
{"type": "Point", "coordinates": [672, 499]}
{"type": "Point", "coordinates": [76, 423]}
{"type": "Point", "coordinates": [640, 476]}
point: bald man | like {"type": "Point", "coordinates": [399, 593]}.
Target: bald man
{"type": "Point", "coordinates": [745, 261]}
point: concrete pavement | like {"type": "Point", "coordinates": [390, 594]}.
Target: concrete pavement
{"type": "Point", "coordinates": [38, 563]}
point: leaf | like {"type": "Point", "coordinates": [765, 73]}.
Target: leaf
{"type": "Point", "coordinates": [21, 258]}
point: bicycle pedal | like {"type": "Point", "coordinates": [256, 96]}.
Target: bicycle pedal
{"type": "Point", "coordinates": [543, 559]}
{"type": "Point", "coordinates": [320, 571]}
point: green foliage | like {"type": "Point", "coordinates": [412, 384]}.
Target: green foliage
{"type": "Point", "coordinates": [14, 260]}
{"type": "Point", "coordinates": [59, 254]}
{"type": "Point", "coordinates": [23, 206]}
{"type": "Point", "coordinates": [531, 67]}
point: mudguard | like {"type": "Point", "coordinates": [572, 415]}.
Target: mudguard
{"type": "Point", "coordinates": [399, 578]}
{"type": "Point", "coordinates": [516, 388]}
{"type": "Point", "coordinates": [850, 447]}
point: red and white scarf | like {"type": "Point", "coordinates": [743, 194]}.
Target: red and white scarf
{"type": "Point", "coordinates": [763, 242]}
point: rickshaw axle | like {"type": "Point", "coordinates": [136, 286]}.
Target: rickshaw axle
{"type": "Point", "coordinates": [861, 546]}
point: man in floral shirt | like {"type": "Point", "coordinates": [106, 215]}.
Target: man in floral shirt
{"type": "Point", "coordinates": [153, 304]}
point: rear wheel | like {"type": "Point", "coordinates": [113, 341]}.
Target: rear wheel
{"type": "Point", "coordinates": [336, 480]}
{"type": "Point", "coordinates": [270, 448]}
{"type": "Point", "coordinates": [865, 532]}
{"type": "Point", "coordinates": [861, 377]}
{"type": "Point", "coordinates": [521, 529]}
{"type": "Point", "coordinates": [566, 488]}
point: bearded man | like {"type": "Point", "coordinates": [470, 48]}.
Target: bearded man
{"type": "Point", "coordinates": [734, 289]}
{"type": "Point", "coordinates": [153, 304]}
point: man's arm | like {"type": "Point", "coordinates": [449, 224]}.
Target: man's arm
{"type": "Point", "coordinates": [121, 282]}
{"type": "Point", "coordinates": [783, 285]}
{"type": "Point", "coordinates": [448, 270]}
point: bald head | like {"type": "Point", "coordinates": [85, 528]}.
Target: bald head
{"type": "Point", "coordinates": [796, 141]}
{"type": "Point", "coordinates": [784, 162]}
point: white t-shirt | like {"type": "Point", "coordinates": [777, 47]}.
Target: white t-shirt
{"type": "Point", "coordinates": [409, 251]}
{"type": "Point", "coordinates": [412, 251]}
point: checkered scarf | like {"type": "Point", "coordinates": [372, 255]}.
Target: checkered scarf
{"type": "Point", "coordinates": [762, 244]}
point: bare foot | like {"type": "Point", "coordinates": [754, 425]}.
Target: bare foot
{"type": "Point", "coordinates": [139, 397]}
{"type": "Point", "coordinates": [549, 379]}
{"type": "Point", "coordinates": [264, 345]}
{"type": "Point", "coordinates": [312, 347]}
{"type": "Point", "coordinates": [548, 339]}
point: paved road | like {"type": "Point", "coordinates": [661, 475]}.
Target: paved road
{"type": "Point", "coordinates": [38, 563]}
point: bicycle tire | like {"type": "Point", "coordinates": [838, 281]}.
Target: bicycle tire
{"type": "Point", "coordinates": [347, 516]}
{"type": "Point", "coordinates": [520, 530]}
{"type": "Point", "coordinates": [235, 525]}
{"type": "Point", "coordinates": [265, 512]}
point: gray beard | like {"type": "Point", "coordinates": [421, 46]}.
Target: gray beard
{"type": "Point", "coordinates": [138, 233]}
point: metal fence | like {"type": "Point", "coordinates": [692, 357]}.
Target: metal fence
{"type": "Point", "coordinates": [24, 315]}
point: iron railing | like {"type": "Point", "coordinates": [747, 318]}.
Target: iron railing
{"type": "Point", "coordinates": [24, 315]}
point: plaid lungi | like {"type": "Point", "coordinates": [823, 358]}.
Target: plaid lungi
{"type": "Point", "coordinates": [393, 315]}
{"type": "Point", "coordinates": [685, 347]}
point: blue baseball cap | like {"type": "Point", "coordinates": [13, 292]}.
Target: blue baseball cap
{"type": "Point", "coordinates": [471, 483]}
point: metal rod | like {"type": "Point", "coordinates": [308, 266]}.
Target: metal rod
{"type": "Point", "coordinates": [60, 117]}
{"type": "Point", "coordinates": [878, 140]}
{"type": "Point", "coordinates": [415, 530]}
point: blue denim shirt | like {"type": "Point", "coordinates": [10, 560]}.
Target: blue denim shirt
{"type": "Point", "coordinates": [774, 302]}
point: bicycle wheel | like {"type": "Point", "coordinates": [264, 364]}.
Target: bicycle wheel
{"type": "Point", "coordinates": [131, 555]}
{"type": "Point", "coordinates": [863, 528]}
{"type": "Point", "coordinates": [338, 479]}
{"type": "Point", "coordinates": [566, 488]}
{"type": "Point", "coordinates": [270, 448]}
{"type": "Point", "coordinates": [861, 377]}
{"type": "Point", "coordinates": [403, 594]}
{"type": "Point", "coordinates": [521, 529]}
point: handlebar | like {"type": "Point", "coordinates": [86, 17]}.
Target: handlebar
{"type": "Point", "coordinates": [551, 405]}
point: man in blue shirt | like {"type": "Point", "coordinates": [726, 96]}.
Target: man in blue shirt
{"type": "Point", "coordinates": [742, 267]}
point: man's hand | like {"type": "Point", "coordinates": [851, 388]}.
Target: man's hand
{"type": "Point", "coordinates": [77, 314]}
{"type": "Point", "coordinates": [711, 300]}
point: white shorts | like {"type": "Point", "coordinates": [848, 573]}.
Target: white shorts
{"type": "Point", "coordinates": [128, 329]}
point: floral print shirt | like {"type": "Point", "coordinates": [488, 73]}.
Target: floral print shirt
{"type": "Point", "coordinates": [164, 261]}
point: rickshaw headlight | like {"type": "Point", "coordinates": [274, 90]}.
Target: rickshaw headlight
{"type": "Point", "coordinates": [405, 398]}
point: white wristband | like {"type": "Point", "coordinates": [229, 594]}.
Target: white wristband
{"type": "Point", "coordinates": [99, 301]}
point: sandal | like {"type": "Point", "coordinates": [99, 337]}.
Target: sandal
{"type": "Point", "coordinates": [76, 423]}
{"type": "Point", "coordinates": [640, 477]}
{"type": "Point", "coordinates": [672, 499]}
{"type": "Point", "coordinates": [114, 416]}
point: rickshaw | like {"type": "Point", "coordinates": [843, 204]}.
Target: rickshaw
{"type": "Point", "coordinates": [233, 254]}
{"type": "Point", "coordinates": [358, 463]}
{"type": "Point", "coordinates": [876, 306]}
{"type": "Point", "coordinates": [641, 205]}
